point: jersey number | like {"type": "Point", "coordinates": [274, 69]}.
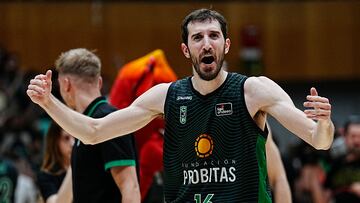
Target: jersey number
{"type": "Point", "coordinates": [5, 189]}
{"type": "Point", "coordinates": [197, 198]}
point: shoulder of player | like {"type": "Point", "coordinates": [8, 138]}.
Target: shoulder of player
{"type": "Point", "coordinates": [157, 92]}
{"type": "Point", "coordinates": [162, 87]}
{"type": "Point", "coordinates": [256, 85]}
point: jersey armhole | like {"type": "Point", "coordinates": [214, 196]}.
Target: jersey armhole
{"type": "Point", "coordinates": [170, 90]}
{"type": "Point", "coordinates": [262, 132]}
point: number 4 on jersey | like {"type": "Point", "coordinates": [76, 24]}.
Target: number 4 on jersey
{"type": "Point", "coordinates": [197, 198]}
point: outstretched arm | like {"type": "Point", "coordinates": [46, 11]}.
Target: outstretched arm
{"type": "Point", "coordinates": [92, 131]}
{"type": "Point", "coordinates": [264, 95]}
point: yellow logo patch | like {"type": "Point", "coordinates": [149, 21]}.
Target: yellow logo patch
{"type": "Point", "coordinates": [204, 146]}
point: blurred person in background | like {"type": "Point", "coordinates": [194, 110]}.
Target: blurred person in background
{"type": "Point", "coordinates": [54, 179]}
{"type": "Point", "coordinates": [310, 168]}
{"type": "Point", "coordinates": [8, 180]}
{"type": "Point", "coordinates": [18, 116]}
{"type": "Point", "coordinates": [339, 179]}
{"type": "Point", "coordinates": [343, 179]}
{"type": "Point", "coordinates": [105, 172]}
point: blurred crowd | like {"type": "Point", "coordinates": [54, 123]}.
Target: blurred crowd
{"type": "Point", "coordinates": [314, 176]}
{"type": "Point", "coordinates": [22, 126]}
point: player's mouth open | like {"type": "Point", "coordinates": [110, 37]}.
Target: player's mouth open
{"type": "Point", "coordinates": [208, 60]}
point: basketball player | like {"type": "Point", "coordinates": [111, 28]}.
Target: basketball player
{"type": "Point", "coordinates": [215, 133]}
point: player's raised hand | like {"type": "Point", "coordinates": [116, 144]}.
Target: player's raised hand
{"type": "Point", "coordinates": [319, 107]}
{"type": "Point", "coordinates": [39, 89]}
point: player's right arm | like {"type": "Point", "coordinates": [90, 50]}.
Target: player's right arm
{"type": "Point", "coordinates": [92, 131]}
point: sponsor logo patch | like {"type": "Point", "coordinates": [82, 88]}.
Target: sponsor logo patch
{"type": "Point", "coordinates": [183, 113]}
{"type": "Point", "coordinates": [223, 109]}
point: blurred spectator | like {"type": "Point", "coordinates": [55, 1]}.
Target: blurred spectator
{"type": "Point", "coordinates": [343, 179]}
{"type": "Point", "coordinates": [8, 181]}
{"type": "Point", "coordinates": [309, 168]}
{"type": "Point", "coordinates": [20, 138]}
{"type": "Point", "coordinates": [58, 148]}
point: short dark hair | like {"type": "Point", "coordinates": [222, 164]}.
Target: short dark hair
{"type": "Point", "coordinates": [353, 119]}
{"type": "Point", "coordinates": [202, 15]}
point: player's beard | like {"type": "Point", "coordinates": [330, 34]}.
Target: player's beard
{"type": "Point", "coordinates": [208, 75]}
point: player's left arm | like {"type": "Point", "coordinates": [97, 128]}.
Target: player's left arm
{"type": "Point", "coordinates": [126, 180]}
{"type": "Point", "coordinates": [264, 95]}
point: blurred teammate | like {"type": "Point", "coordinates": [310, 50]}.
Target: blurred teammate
{"type": "Point", "coordinates": [104, 172]}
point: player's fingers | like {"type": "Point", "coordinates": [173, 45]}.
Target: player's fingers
{"type": "Point", "coordinates": [40, 77]}
{"type": "Point", "coordinates": [313, 91]}
{"type": "Point", "coordinates": [36, 88]}
{"type": "Point", "coordinates": [318, 105]}
{"type": "Point", "coordinates": [48, 76]}
{"type": "Point", "coordinates": [317, 99]}
{"type": "Point", "coordinates": [37, 82]}
{"type": "Point", "coordinates": [32, 93]}
{"type": "Point", "coordinates": [317, 112]}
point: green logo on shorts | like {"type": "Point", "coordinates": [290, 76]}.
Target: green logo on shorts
{"type": "Point", "coordinates": [183, 110]}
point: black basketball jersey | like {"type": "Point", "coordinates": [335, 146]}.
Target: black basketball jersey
{"type": "Point", "coordinates": [213, 150]}
{"type": "Point", "coordinates": [91, 164]}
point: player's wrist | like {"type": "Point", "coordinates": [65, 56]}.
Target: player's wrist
{"type": "Point", "coordinates": [46, 104]}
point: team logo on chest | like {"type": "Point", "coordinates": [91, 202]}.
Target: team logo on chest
{"type": "Point", "coordinates": [183, 113]}
{"type": "Point", "coordinates": [223, 109]}
{"type": "Point", "coordinates": [204, 146]}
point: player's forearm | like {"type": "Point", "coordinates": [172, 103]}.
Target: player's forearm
{"type": "Point", "coordinates": [64, 194]}
{"type": "Point", "coordinates": [282, 191]}
{"type": "Point", "coordinates": [323, 135]}
{"type": "Point", "coordinates": [74, 123]}
{"type": "Point", "coordinates": [131, 195]}
{"type": "Point", "coordinates": [94, 131]}
{"type": "Point", "coordinates": [130, 191]}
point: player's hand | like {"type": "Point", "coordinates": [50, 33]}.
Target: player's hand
{"type": "Point", "coordinates": [39, 89]}
{"type": "Point", "coordinates": [320, 108]}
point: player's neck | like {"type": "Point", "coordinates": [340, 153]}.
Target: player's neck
{"type": "Point", "coordinates": [205, 87]}
{"type": "Point", "coordinates": [84, 98]}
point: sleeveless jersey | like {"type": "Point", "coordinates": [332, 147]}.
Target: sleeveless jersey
{"type": "Point", "coordinates": [213, 150]}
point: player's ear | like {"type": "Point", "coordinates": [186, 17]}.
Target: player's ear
{"type": "Point", "coordinates": [67, 84]}
{"type": "Point", "coordinates": [227, 45]}
{"type": "Point", "coordinates": [185, 50]}
{"type": "Point", "coordinates": [100, 82]}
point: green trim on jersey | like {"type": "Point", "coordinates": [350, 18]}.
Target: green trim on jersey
{"type": "Point", "coordinates": [128, 162]}
{"type": "Point", "coordinates": [261, 157]}
{"type": "Point", "coordinates": [91, 111]}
